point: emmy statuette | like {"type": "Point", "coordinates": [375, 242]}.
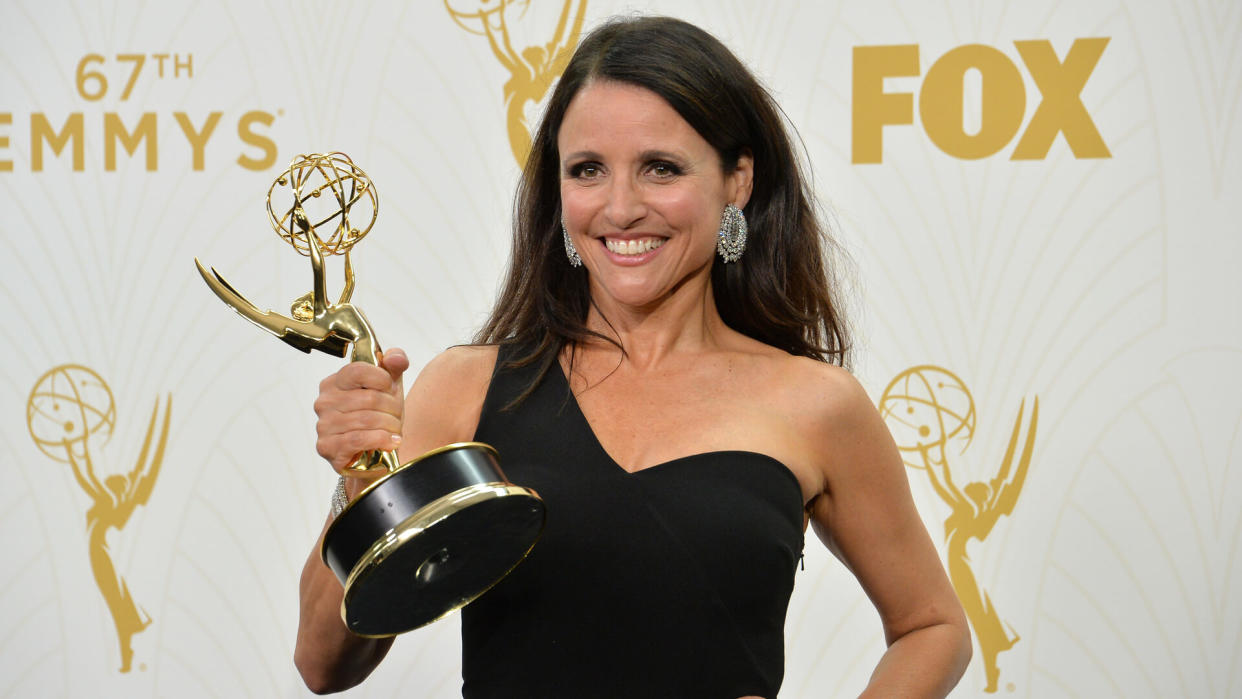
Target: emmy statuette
{"type": "Point", "coordinates": [425, 537]}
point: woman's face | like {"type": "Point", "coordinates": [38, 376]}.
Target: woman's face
{"type": "Point", "coordinates": [642, 193]}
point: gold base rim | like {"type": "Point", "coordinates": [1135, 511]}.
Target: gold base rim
{"type": "Point", "coordinates": [425, 518]}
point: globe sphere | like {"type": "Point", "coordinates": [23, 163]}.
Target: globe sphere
{"type": "Point", "coordinates": [339, 201]}
{"type": "Point", "coordinates": [69, 405]}
{"type": "Point", "coordinates": [927, 407]}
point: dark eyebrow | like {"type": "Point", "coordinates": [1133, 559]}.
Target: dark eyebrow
{"type": "Point", "coordinates": [581, 155]}
{"type": "Point", "coordinates": [660, 155]}
{"type": "Point", "coordinates": [644, 156]}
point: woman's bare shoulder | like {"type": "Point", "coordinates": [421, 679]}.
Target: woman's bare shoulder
{"type": "Point", "coordinates": [469, 363]}
{"type": "Point", "coordinates": [824, 389]}
{"type": "Point", "coordinates": [834, 411]}
{"type": "Point", "coordinates": [445, 401]}
{"type": "Point", "coordinates": [830, 388]}
{"type": "Point", "coordinates": [810, 386]}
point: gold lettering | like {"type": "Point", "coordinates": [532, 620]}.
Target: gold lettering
{"type": "Point", "coordinates": [6, 119]}
{"type": "Point", "coordinates": [188, 65]}
{"type": "Point", "coordinates": [246, 133]}
{"type": "Point", "coordinates": [873, 107]}
{"type": "Point", "coordinates": [1003, 100]}
{"type": "Point", "coordinates": [137, 59]}
{"type": "Point", "coordinates": [1061, 109]}
{"type": "Point", "coordinates": [94, 76]}
{"type": "Point", "coordinates": [159, 62]}
{"type": "Point", "coordinates": [197, 139]}
{"type": "Point", "coordinates": [41, 132]}
{"type": "Point", "coordinates": [114, 130]}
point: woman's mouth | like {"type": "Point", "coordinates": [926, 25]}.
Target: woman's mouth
{"type": "Point", "coordinates": [632, 247]}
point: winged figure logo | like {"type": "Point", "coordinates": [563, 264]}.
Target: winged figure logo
{"type": "Point", "coordinates": [70, 413]}
{"type": "Point", "coordinates": [931, 413]}
{"type": "Point", "coordinates": [532, 68]}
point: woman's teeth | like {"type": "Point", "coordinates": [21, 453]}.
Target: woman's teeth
{"type": "Point", "coordinates": [633, 247]}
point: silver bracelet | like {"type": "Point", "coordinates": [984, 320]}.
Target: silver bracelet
{"type": "Point", "coordinates": [340, 500]}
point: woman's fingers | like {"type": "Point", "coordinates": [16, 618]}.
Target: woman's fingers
{"type": "Point", "coordinates": [353, 400]}
{"type": "Point", "coordinates": [362, 375]}
{"type": "Point", "coordinates": [358, 421]}
{"type": "Point", "coordinates": [343, 449]}
{"type": "Point", "coordinates": [395, 363]}
{"type": "Point", "coordinates": [360, 409]}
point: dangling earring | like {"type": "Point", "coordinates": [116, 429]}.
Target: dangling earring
{"type": "Point", "coordinates": [570, 251]}
{"type": "Point", "coordinates": [732, 241]}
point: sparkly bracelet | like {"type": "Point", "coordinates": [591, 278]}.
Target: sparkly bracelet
{"type": "Point", "coordinates": [340, 500]}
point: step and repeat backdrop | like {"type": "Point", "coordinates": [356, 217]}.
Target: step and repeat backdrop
{"type": "Point", "coordinates": [1038, 206]}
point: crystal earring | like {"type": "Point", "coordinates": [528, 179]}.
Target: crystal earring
{"type": "Point", "coordinates": [570, 251]}
{"type": "Point", "coordinates": [732, 241]}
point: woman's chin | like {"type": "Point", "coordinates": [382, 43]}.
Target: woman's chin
{"type": "Point", "coordinates": [632, 291]}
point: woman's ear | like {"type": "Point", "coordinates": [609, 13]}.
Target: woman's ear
{"type": "Point", "coordinates": [741, 179]}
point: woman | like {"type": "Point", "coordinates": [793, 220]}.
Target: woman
{"type": "Point", "coordinates": [662, 366]}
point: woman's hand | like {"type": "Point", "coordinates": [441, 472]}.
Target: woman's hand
{"type": "Point", "coordinates": [360, 408]}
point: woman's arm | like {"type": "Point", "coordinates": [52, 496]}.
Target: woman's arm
{"type": "Point", "coordinates": [866, 517]}
{"type": "Point", "coordinates": [358, 412]}
{"type": "Point", "coordinates": [328, 657]}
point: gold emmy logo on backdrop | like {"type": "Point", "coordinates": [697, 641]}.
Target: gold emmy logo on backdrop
{"type": "Point", "coordinates": [929, 409]}
{"type": "Point", "coordinates": [69, 407]}
{"type": "Point", "coordinates": [532, 68]}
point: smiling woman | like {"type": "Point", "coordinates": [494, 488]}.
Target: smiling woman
{"type": "Point", "coordinates": [662, 366]}
{"type": "Point", "coordinates": [782, 294]}
{"type": "Point", "coordinates": [642, 195]}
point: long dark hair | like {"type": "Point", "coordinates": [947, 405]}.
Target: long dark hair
{"type": "Point", "coordinates": [779, 293]}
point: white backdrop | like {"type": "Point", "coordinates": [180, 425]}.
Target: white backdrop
{"type": "Point", "coordinates": [1106, 287]}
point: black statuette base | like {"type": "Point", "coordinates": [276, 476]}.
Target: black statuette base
{"type": "Point", "coordinates": [428, 539]}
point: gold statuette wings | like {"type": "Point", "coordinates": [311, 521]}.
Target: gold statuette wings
{"type": "Point", "coordinates": [1005, 487]}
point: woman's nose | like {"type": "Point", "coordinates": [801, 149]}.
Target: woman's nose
{"type": "Point", "coordinates": [625, 205]}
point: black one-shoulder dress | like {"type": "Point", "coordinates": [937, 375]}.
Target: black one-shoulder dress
{"type": "Point", "coordinates": [669, 582]}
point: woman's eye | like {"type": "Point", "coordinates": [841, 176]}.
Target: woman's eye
{"type": "Point", "coordinates": [664, 170]}
{"type": "Point", "coordinates": [585, 170]}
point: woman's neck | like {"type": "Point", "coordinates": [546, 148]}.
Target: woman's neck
{"type": "Point", "coordinates": [684, 321]}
